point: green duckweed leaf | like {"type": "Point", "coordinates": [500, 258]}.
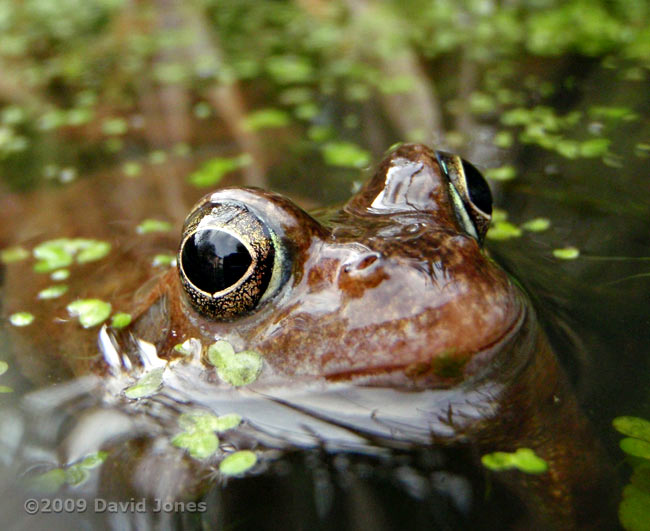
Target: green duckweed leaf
{"type": "Point", "coordinates": [345, 154]}
{"type": "Point", "coordinates": [503, 139]}
{"type": "Point", "coordinates": [49, 482]}
{"type": "Point", "coordinates": [200, 444]}
{"type": "Point", "coordinates": [147, 385]}
{"type": "Point", "coordinates": [90, 312]}
{"type": "Point", "coordinates": [503, 230]}
{"type": "Point", "coordinates": [153, 225]}
{"type": "Point", "coordinates": [189, 347]}
{"type": "Point", "coordinates": [21, 318]}
{"type": "Point", "coordinates": [132, 169]}
{"type": "Point", "coordinates": [504, 173]}
{"type": "Point", "coordinates": [498, 214]}
{"type": "Point", "coordinates": [92, 250]}
{"type": "Point", "coordinates": [635, 447]}
{"type": "Point", "coordinates": [212, 171]}
{"type": "Point", "coordinates": [52, 292]}
{"type": "Point", "coordinates": [523, 459]}
{"type": "Point", "coordinates": [634, 509]}
{"type": "Point", "coordinates": [6, 389]}
{"type": "Point", "coordinates": [566, 253]}
{"type": "Point", "coordinates": [13, 254]}
{"type": "Point", "coordinates": [164, 260]}
{"type": "Point", "coordinates": [157, 156]}
{"type": "Point", "coordinates": [60, 274]}
{"type": "Point", "coordinates": [238, 369]}
{"type": "Point", "coordinates": [265, 119]}
{"type": "Point", "coordinates": [76, 475]}
{"type": "Point", "coordinates": [93, 460]}
{"type": "Point", "coordinates": [4, 367]}
{"type": "Point", "coordinates": [208, 422]}
{"type": "Point", "coordinates": [58, 253]}
{"type": "Point", "coordinates": [120, 320]}
{"type": "Point", "coordinates": [115, 126]}
{"type": "Point", "coordinates": [536, 225]}
{"type": "Point", "coordinates": [633, 427]}
{"type": "Point", "coordinates": [286, 69]}
{"type": "Point", "coordinates": [237, 463]}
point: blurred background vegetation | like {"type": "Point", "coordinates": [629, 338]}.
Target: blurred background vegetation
{"type": "Point", "coordinates": [90, 83]}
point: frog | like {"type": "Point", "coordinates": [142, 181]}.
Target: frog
{"type": "Point", "coordinates": [382, 320]}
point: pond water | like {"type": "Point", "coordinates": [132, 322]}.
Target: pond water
{"type": "Point", "coordinates": [564, 139]}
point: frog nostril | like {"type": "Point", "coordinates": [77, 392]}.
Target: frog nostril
{"type": "Point", "coordinates": [364, 262]}
{"type": "Point", "coordinates": [367, 261]}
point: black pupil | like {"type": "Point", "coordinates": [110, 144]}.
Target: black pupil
{"type": "Point", "coordinates": [214, 260]}
{"type": "Point", "coordinates": [478, 189]}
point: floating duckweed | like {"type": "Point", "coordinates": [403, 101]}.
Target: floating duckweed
{"type": "Point", "coordinates": [200, 444]}
{"type": "Point", "coordinates": [153, 225]}
{"type": "Point", "coordinates": [76, 475]}
{"type": "Point", "coordinates": [164, 260]}
{"type": "Point", "coordinates": [642, 149]}
{"type": "Point", "coordinates": [115, 126]}
{"type": "Point", "coordinates": [120, 320]}
{"type": "Point", "coordinates": [397, 85]}
{"type": "Point", "coordinates": [55, 254]}
{"type": "Point", "coordinates": [568, 148]}
{"type": "Point", "coordinates": [202, 110]}
{"type": "Point", "coordinates": [613, 113]}
{"type": "Point", "coordinates": [503, 230]}
{"type": "Point", "coordinates": [498, 214]}
{"type": "Point", "coordinates": [132, 169]}
{"type": "Point", "coordinates": [503, 139]}
{"type": "Point", "coordinates": [157, 157]}
{"type": "Point", "coordinates": [523, 459]}
{"type": "Point", "coordinates": [212, 171]}
{"type": "Point", "coordinates": [21, 319]}
{"type": "Point", "coordinates": [635, 447]}
{"type": "Point", "coordinates": [114, 144]}
{"type": "Point", "coordinates": [504, 173]}
{"type": "Point", "coordinates": [237, 463]}
{"type": "Point", "coordinates": [345, 154]}
{"type": "Point", "coordinates": [566, 253]}
{"type": "Point", "coordinates": [536, 225]}
{"type": "Point", "coordinates": [181, 149]}
{"type": "Point", "coordinates": [52, 292]}
{"type": "Point", "coordinates": [6, 389]}
{"type": "Point", "coordinates": [147, 385]}
{"type": "Point", "coordinates": [4, 367]}
{"type": "Point", "coordinates": [93, 460]}
{"type": "Point", "coordinates": [481, 103]}
{"type": "Point", "coordinates": [265, 119]}
{"type": "Point", "coordinates": [286, 69]}
{"type": "Point", "coordinates": [191, 346]}
{"type": "Point", "coordinates": [13, 254]}
{"type": "Point", "coordinates": [634, 509]}
{"type": "Point", "coordinates": [320, 133]}
{"type": "Point", "coordinates": [208, 422]}
{"type": "Point", "coordinates": [306, 111]}
{"type": "Point", "coordinates": [596, 147]}
{"type": "Point", "coordinates": [49, 482]}
{"type": "Point", "coordinates": [90, 312]}
{"type": "Point", "coordinates": [237, 369]}
{"type": "Point", "coordinates": [60, 274]}
{"type": "Point", "coordinates": [632, 427]}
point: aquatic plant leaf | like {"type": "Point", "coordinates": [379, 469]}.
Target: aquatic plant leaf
{"type": "Point", "coordinates": [498, 214]}
{"type": "Point", "coordinates": [536, 225]}
{"type": "Point", "coordinates": [503, 139]}
{"type": "Point", "coordinates": [48, 482]}
{"type": "Point", "coordinates": [345, 154]}
{"type": "Point", "coordinates": [635, 447]}
{"type": "Point", "coordinates": [633, 427]}
{"type": "Point", "coordinates": [92, 250]}
{"type": "Point", "coordinates": [90, 312]}
{"type": "Point", "coordinates": [120, 320]}
{"type": "Point", "coordinates": [164, 260]}
{"type": "Point", "coordinates": [203, 421]}
{"type": "Point", "coordinates": [76, 475]}
{"type": "Point", "coordinates": [93, 460]}
{"type": "Point", "coordinates": [200, 443]}
{"type": "Point", "coordinates": [566, 253]}
{"type": "Point", "coordinates": [191, 346]}
{"type": "Point", "coordinates": [153, 225]}
{"type": "Point", "coordinates": [157, 156]}
{"type": "Point", "coordinates": [504, 173]}
{"type": "Point", "coordinates": [4, 367]}
{"type": "Point", "coordinates": [147, 385]}
{"type": "Point", "coordinates": [236, 369]}
{"type": "Point", "coordinates": [634, 509]}
{"type": "Point", "coordinates": [6, 389]}
{"type": "Point", "coordinates": [503, 230]}
{"type": "Point", "coordinates": [21, 318]}
{"type": "Point", "coordinates": [266, 119]}
{"type": "Point", "coordinates": [60, 274]}
{"type": "Point", "coordinates": [58, 253]}
{"type": "Point", "coordinates": [523, 459]}
{"type": "Point", "coordinates": [212, 171]}
{"type": "Point", "coordinates": [132, 169]}
{"type": "Point", "coordinates": [237, 463]}
{"type": "Point", "coordinates": [13, 254]}
{"type": "Point", "coordinates": [286, 69]}
{"type": "Point", "coordinates": [115, 126]}
{"type": "Point", "coordinates": [52, 292]}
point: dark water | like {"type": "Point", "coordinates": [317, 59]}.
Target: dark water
{"type": "Point", "coordinates": [595, 308]}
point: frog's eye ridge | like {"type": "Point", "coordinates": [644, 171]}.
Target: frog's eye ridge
{"type": "Point", "coordinates": [228, 260]}
{"type": "Point", "coordinates": [470, 193]}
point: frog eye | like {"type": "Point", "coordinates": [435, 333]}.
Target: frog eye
{"type": "Point", "coordinates": [470, 193]}
{"type": "Point", "coordinates": [228, 260]}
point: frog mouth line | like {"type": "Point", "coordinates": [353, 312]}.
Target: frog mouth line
{"type": "Point", "coordinates": [435, 373]}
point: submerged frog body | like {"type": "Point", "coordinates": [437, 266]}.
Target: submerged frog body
{"type": "Point", "coordinates": [382, 323]}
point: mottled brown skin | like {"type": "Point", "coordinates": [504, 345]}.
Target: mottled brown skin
{"type": "Point", "coordinates": [390, 291]}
